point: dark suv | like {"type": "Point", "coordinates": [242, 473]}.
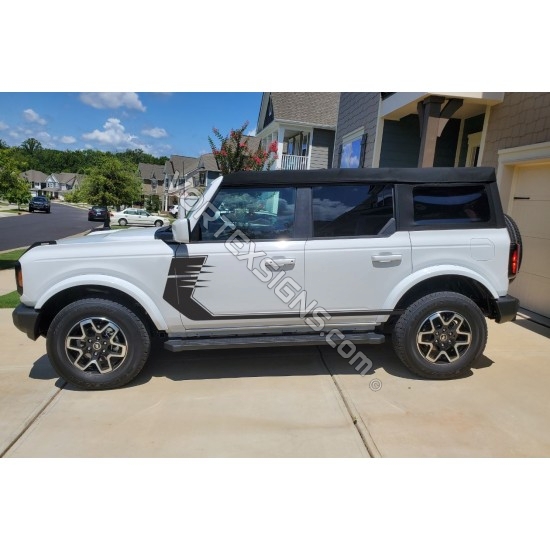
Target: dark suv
{"type": "Point", "coordinates": [39, 203]}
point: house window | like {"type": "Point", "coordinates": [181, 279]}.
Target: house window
{"type": "Point", "coordinates": [352, 150]}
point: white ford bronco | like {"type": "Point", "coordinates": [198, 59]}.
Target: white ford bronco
{"type": "Point", "coordinates": [340, 257]}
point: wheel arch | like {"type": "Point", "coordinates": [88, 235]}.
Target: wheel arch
{"type": "Point", "coordinates": [61, 299]}
{"type": "Point", "coordinates": [460, 284]}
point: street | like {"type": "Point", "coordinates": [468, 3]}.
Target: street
{"type": "Point", "coordinates": [24, 230]}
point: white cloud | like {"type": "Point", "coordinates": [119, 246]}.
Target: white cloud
{"type": "Point", "coordinates": [113, 135]}
{"type": "Point", "coordinates": [252, 133]}
{"type": "Point", "coordinates": [67, 139]}
{"type": "Point", "coordinates": [155, 132]}
{"type": "Point", "coordinates": [112, 100]}
{"type": "Point", "coordinates": [3, 126]}
{"type": "Point", "coordinates": [33, 116]}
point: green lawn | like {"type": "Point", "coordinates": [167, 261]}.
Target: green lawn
{"type": "Point", "coordinates": [10, 300]}
{"type": "Point", "coordinates": [8, 259]}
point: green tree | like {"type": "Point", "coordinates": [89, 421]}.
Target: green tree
{"type": "Point", "coordinates": [13, 187]}
{"type": "Point", "coordinates": [111, 183]}
{"type": "Point", "coordinates": [234, 153]}
{"type": "Point", "coordinates": [152, 203]}
{"type": "Point", "coordinates": [31, 146]}
{"type": "Point", "coordinates": [3, 144]}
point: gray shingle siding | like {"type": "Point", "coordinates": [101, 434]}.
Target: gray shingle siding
{"type": "Point", "coordinates": [400, 143]}
{"type": "Point", "coordinates": [357, 109]}
{"type": "Point", "coordinates": [322, 146]}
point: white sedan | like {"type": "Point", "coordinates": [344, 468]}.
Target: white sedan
{"type": "Point", "coordinates": [136, 216]}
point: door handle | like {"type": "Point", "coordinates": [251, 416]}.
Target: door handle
{"type": "Point", "coordinates": [387, 258]}
{"type": "Point", "coordinates": [277, 263]}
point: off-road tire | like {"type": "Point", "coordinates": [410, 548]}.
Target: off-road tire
{"type": "Point", "coordinates": [118, 335]}
{"type": "Point", "coordinates": [432, 349]}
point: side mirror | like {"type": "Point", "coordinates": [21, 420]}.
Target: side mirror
{"type": "Point", "coordinates": [180, 230]}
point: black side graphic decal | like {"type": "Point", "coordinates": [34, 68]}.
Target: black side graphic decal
{"type": "Point", "coordinates": [187, 273]}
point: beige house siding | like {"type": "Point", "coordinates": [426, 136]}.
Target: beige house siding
{"type": "Point", "coordinates": [523, 118]}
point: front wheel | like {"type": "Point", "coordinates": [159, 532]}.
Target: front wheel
{"type": "Point", "coordinates": [158, 223]}
{"type": "Point", "coordinates": [97, 344]}
{"type": "Point", "coordinates": [440, 335]}
{"type": "Point", "coordinates": [122, 221]}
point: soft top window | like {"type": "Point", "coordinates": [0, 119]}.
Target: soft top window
{"type": "Point", "coordinates": [451, 204]}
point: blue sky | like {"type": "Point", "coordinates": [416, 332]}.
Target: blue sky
{"type": "Point", "coordinates": [160, 123]}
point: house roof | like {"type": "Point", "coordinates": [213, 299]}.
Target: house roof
{"type": "Point", "coordinates": [178, 162]}
{"type": "Point", "coordinates": [34, 176]}
{"type": "Point", "coordinates": [209, 163]}
{"type": "Point", "coordinates": [150, 171]}
{"type": "Point", "coordinates": [67, 177]}
{"type": "Point", "coordinates": [315, 108]}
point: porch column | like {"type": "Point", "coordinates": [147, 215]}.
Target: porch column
{"type": "Point", "coordinates": [280, 142]}
{"type": "Point", "coordinates": [428, 115]}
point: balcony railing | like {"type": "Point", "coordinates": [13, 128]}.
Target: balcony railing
{"type": "Point", "coordinates": [293, 162]}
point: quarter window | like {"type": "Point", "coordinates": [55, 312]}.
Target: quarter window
{"type": "Point", "coordinates": [451, 205]}
{"type": "Point", "coordinates": [351, 210]}
{"type": "Point", "coordinates": [261, 214]}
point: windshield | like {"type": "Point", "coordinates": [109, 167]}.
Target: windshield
{"type": "Point", "coordinates": [197, 202]}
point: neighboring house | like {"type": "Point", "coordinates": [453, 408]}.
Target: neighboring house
{"type": "Point", "coordinates": [303, 124]}
{"type": "Point", "coordinates": [54, 186]}
{"type": "Point", "coordinates": [182, 173]}
{"type": "Point", "coordinates": [36, 180]}
{"type": "Point", "coordinates": [507, 131]}
{"type": "Point", "coordinates": [58, 184]}
{"type": "Point", "coordinates": [153, 177]}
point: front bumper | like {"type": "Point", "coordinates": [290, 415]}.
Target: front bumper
{"type": "Point", "coordinates": [27, 320]}
{"type": "Point", "coordinates": [506, 309]}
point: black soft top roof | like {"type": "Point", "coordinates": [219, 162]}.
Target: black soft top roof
{"type": "Point", "coordinates": [363, 175]}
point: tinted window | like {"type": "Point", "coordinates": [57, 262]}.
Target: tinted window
{"type": "Point", "coordinates": [456, 204]}
{"type": "Point", "coordinates": [351, 210]}
{"type": "Point", "coordinates": [258, 213]}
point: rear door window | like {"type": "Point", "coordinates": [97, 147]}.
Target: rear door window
{"type": "Point", "coordinates": [434, 205]}
{"type": "Point", "coordinates": [351, 210]}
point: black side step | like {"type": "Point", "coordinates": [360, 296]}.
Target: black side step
{"type": "Point", "coordinates": [184, 344]}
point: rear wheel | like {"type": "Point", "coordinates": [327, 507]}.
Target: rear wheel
{"type": "Point", "coordinates": [440, 335]}
{"type": "Point", "coordinates": [97, 344]}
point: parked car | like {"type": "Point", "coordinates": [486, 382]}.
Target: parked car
{"type": "Point", "coordinates": [40, 203]}
{"type": "Point", "coordinates": [174, 210]}
{"type": "Point", "coordinates": [136, 216]}
{"type": "Point", "coordinates": [280, 258]}
{"type": "Point", "coordinates": [97, 213]}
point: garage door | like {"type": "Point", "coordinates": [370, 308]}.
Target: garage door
{"type": "Point", "coordinates": [531, 211]}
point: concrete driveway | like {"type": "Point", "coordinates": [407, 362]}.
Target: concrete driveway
{"type": "Point", "coordinates": [284, 402]}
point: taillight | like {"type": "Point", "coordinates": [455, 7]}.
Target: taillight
{"type": "Point", "coordinates": [513, 263]}
{"type": "Point", "coordinates": [19, 278]}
